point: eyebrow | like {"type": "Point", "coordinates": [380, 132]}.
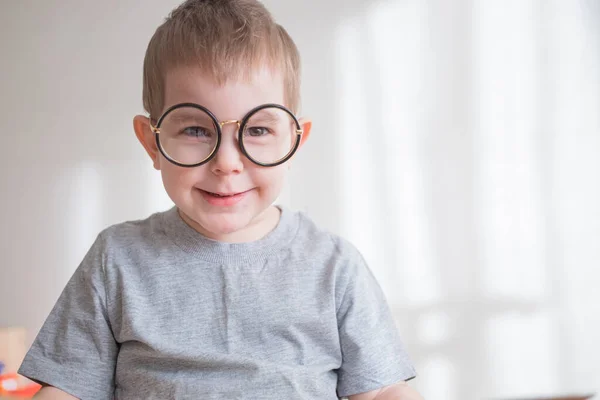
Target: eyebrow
{"type": "Point", "coordinates": [183, 117]}
{"type": "Point", "coordinates": [267, 116]}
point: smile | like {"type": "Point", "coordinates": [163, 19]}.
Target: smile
{"type": "Point", "coordinates": [222, 195]}
{"type": "Point", "coordinates": [221, 199]}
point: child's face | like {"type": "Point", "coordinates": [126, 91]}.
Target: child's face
{"type": "Point", "coordinates": [229, 172]}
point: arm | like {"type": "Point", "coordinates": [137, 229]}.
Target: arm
{"type": "Point", "coordinates": [399, 391]}
{"type": "Point", "coordinates": [52, 393]}
{"type": "Point", "coordinates": [75, 350]}
{"type": "Point", "coordinates": [373, 355]}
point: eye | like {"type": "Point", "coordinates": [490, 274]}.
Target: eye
{"type": "Point", "coordinates": [196, 132]}
{"type": "Point", "coordinates": [257, 131]}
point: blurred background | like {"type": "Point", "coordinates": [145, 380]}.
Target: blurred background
{"type": "Point", "coordinates": [455, 142]}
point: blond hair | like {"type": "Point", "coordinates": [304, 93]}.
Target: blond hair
{"type": "Point", "coordinates": [227, 39]}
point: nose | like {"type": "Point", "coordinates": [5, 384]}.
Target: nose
{"type": "Point", "coordinates": [229, 159]}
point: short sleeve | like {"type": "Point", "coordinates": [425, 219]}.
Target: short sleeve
{"type": "Point", "coordinates": [75, 351]}
{"type": "Point", "coordinates": [373, 355]}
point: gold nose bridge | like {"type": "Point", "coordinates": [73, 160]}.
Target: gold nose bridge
{"type": "Point", "coordinates": [231, 121]}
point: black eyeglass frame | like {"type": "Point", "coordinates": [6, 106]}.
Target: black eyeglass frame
{"type": "Point", "coordinates": [219, 125]}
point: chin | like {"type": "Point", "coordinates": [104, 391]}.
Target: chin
{"type": "Point", "coordinates": [226, 227]}
{"type": "Point", "coordinates": [224, 224]}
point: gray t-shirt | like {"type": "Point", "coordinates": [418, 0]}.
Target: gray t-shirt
{"type": "Point", "coordinates": [157, 311]}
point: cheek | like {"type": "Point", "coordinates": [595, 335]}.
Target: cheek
{"type": "Point", "coordinates": [271, 180]}
{"type": "Point", "coordinates": [177, 179]}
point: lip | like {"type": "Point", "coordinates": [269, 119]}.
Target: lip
{"type": "Point", "coordinates": [226, 199]}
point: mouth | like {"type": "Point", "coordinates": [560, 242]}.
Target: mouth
{"type": "Point", "coordinates": [222, 195]}
{"type": "Point", "coordinates": [223, 199]}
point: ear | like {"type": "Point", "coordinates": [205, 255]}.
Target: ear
{"type": "Point", "coordinates": [141, 126]}
{"type": "Point", "coordinates": [306, 125]}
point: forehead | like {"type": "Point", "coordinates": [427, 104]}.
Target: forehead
{"type": "Point", "coordinates": [230, 100]}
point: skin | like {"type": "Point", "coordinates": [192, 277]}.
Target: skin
{"type": "Point", "coordinates": [228, 172]}
{"type": "Point", "coordinates": [399, 391]}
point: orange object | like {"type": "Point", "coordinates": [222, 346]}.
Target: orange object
{"type": "Point", "coordinates": [16, 386]}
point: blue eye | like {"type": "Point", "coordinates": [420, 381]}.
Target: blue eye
{"type": "Point", "coordinates": [197, 132]}
{"type": "Point", "coordinates": [257, 131]}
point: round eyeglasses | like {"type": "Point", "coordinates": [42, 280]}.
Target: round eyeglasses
{"type": "Point", "coordinates": [189, 135]}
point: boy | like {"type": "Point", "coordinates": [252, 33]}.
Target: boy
{"type": "Point", "coordinates": [225, 296]}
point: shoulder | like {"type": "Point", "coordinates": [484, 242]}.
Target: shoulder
{"type": "Point", "coordinates": [127, 238]}
{"type": "Point", "coordinates": [315, 241]}
{"type": "Point", "coordinates": [335, 257]}
{"type": "Point", "coordinates": [134, 230]}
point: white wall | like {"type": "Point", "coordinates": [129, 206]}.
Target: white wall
{"type": "Point", "coordinates": [474, 191]}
